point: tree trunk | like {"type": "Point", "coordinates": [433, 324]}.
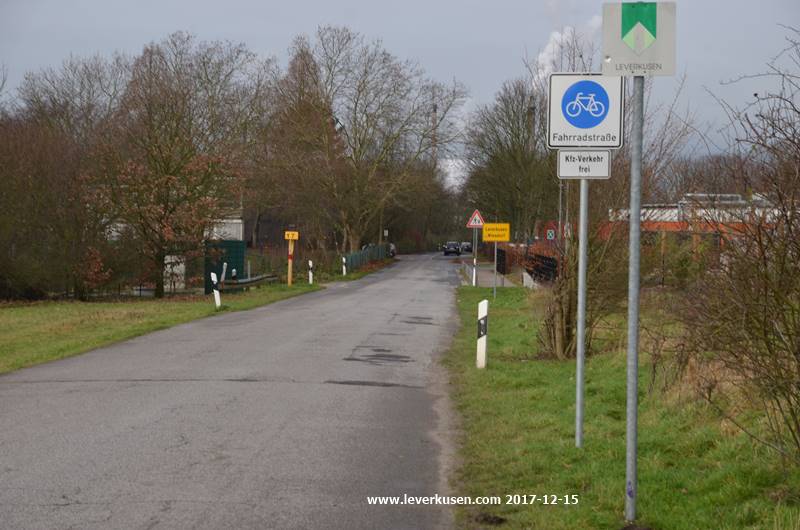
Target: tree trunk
{"type": "Point", "coordinates": [353, 241]}
{"type": "Point", "coordinates": [81, 292]}
{"type": "Point", "coordinates": [558, 328]}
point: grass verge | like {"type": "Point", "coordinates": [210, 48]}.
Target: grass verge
{"type": "Point", "coordinates": [518, 438]}
{"type": "Point", "coordinates": [44, 331]}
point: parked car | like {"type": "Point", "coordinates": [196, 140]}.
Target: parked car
{"type": "Point", "coordinates": [452, 247]}
{"type": "Point", "coordinates": [466, 246]}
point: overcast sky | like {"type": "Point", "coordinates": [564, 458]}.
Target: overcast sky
{"type": "Point", "coordinates": [480, 43]}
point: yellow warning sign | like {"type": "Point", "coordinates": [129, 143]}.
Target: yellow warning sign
{"type": "Point", "coordinates": [291, 235]}
{"type": "Point", "coordinates": [496, 232]}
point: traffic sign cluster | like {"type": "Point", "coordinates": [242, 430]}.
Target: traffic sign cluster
{"type": "Point", "coordinates": [586, 112]}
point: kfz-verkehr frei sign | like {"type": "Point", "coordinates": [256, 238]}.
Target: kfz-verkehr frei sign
{"type": "Point", "coordinates": [584, 164]}
{"type": "Point", "coordinates": [585, 110]}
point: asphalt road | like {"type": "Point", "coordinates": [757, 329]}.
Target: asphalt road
{"type": "Point", "coordinates": [285, 416]}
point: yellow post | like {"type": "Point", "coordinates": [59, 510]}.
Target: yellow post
{"type": "Point", "coordinates": [291, 236]}
{"type": "Point", "coordinates": [291, 259]}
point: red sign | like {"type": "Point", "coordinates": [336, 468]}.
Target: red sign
{"type": "Point", "coordinates": [475, 220]}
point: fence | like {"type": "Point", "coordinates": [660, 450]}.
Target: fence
{"type": "Point", "coordinates": [540, 259]}
{"type": "Point", "coordinates": [359, 259]}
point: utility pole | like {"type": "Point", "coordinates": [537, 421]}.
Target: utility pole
{"type": "Point", "coordinates": [435, 150]}
{"type": "Point", "coordinates": [380, 227]}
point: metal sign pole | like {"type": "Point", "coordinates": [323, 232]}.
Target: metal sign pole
{"type": "Point", "coordinates": [560, 188]}
{"type": "Point", "coordinates": [634, 216]}
{"type": "Point", "coordinates": [474, 257]}
{"type": "Point", "coordinates": [495, 270]}
{"type": "Point", "coordinates": [581, 336]}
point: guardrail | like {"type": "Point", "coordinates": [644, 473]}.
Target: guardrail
{"type": "Point", "coordinates": [250, 282]}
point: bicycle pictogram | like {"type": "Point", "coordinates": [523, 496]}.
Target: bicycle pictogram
{"type": "Point", "coordinates": [585, 102]}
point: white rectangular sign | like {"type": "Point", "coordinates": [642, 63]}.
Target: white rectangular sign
{"type": "Point", "coordinates": [584, 164]}
{"type": "Point", "coordinates": [639, 38]}
{"type": "Point", "coordinates": [585, 111]}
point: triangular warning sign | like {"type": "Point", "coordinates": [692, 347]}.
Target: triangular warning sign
{"type": "Point", "coordinates": [475, 220]}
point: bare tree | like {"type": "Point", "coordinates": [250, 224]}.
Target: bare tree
{"type": "Point", "coordinates": [3, 79]}
{"type": "Point", "coordinates": [743, 322]}
{"type": "Point", "coordinates": [59, 111]}
{"type": "Point", "coordinates": [510, 173]}
{"type": "Point", "coordinates": [390, 116]}
{"type": "Point", "coordinates": [351, 127]}
{"type": "Point", "coordinates": [176, 145]}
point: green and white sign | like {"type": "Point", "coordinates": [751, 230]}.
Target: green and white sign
{"type": "Point", "coordinates": [639, 38]}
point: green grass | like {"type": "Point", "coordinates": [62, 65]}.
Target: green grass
{"type": "Point", "coordinates": [518, 438]}
{"type": "Point", "coordinates": [44, 331]}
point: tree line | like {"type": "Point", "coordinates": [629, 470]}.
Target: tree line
{"type": "Point", "coordinates": [113, 164]}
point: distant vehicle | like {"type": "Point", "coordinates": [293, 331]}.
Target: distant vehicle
{"type": "Point", "coordinates": [466, 246]}
{"type": "Point", "coordinates": [452, 247]}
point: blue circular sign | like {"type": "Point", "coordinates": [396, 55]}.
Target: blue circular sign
{"type": "Point", "coordinates": [585, 104]}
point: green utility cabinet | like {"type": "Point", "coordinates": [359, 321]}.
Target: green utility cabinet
{"type": "Point", "coordinates": [220, 251]}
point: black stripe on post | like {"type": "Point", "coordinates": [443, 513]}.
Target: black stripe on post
{"type": "Point", "coordinates": [483, 325]}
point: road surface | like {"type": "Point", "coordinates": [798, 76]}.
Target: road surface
{"type": "Point", "coordinates": [285, 416]}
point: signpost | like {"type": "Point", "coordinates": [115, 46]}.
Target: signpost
{"type": "Point", "coordinates": [291, 236]}
{"type": "Point", "coordinates": [585, 112]}
{"type": "Point", "coordinates": [494, 232]}
{"type": "Point", "coordinates": [583, 165]}
{"type": "Point", "coordinates": [638, 40]}
{"type": "Point", "coordinates": [475, 222]}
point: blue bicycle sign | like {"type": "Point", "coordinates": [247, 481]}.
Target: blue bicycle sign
{"type": "Point", "coordinates": [585, 104]}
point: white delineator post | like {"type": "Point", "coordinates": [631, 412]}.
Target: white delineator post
{"type": "Point", "coordinates": [222, 276]}
{"type": "Point", "coordinates": [483, 330]}
{"type": "Point", "coordinates": [495, 271]}
{"type": "Point", "coordinates": [310, 272]}
{"type": "Point", "coordinates": [215, 289]}
{"type": "Point", "coordinates": [344, 266]}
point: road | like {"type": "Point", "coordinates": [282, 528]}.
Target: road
{"type": "Point", "coordinates": [285, 416]}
